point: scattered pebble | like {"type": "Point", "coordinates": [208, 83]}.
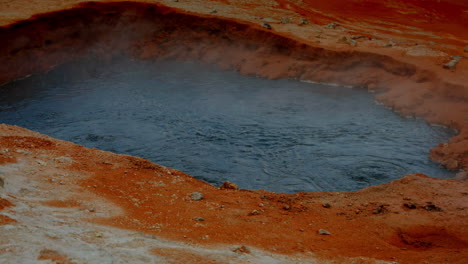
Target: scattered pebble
{"type": "Point", "coordinates": [287, 207]}
{"type": "Point", "coordinates": [345, 40]}
{"type": "Point", "coordinates": [229, 186]}
{"type": "Point", "coordinates": [323, 232]}
{"type": "Point", "coordinates": [390, 44]}
{"type": "Point", "coordinates": [266, 25]}
{"type": "Point", "coordinates": [241, 250]}
{"type": "Point", "coordinates": [451, 64]}
{"type": "Point", "coordinates": [332, 25]}
{"type": "Point", "coordinates": [198, 218]}
{"type": "Point", "coordinates": [358, 37]}
{"type": "Point", "coordinates": [432, 207]}
{"type": "Point", "coordinates": [254, 212]}
{"type": "Point", "coordinates": [214, 11]}
{"type": "Point", "coordinates": [304, 22]}
{"type": "Point", "coordinates": [379, 210]}
{"type": "Point", "coordinates": [42, 163]}
{"type": "Point", "coordinates": [196, 196]}
{"type": "Point", "coordinates": [326, 205]}
{"type": "Point", "coordinates": [21, 151]}
{"type": "Point", "coordinates": [285, 20]}
{"type": "Point", "coordinates": [2, 182]}
{"type": "Point", "coordinates": [410, 205]}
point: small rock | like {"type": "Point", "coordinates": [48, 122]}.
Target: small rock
{"type": "Point", "coordinates": [266, 25]}
{"type": "Point", "coordinates": [451, 64]}
{"type": "Point", "coordinates": [198, 218]}
{"type": "Point", "coordinates": [241, 250]}
{"type": "Point", "coordinates": [323, 232]}
{"type": "Point", "coordinates": [332, 25]}
{"type": "Point", "coordinates": [432, 207]}
{"type": "Point", "coordinates": [304, 22]}
{"type": "Point", "coordinates": [343, 40]}
{"type": "Point", "coordinates": [287, 207]}
{"type": "Point", "coordinates": [42, 163]}
{"type": "Point", "coordinates": [390, 44]}
{"type": "Point", "coordinates": [2, 182]}
{"type": "Point", "coordinates": [466, 49]}
{"type": "Point", "coordinates": [254, 212]}
{"type": "Point", "coordinates": [98, 234]}
{"type": "Point", "coordinates": [318, 35]}
{"type": "Point", "coordinates": [196, 196]}
{"type": "Point", "coordinates": [229, 186]}
{"type": "Point", "coordinates": [326, 205]}
{"type": "Point", "coordinates": [21, 151]}
{"type": "Point", "coordinates": [379, 210]}
{"type": "Point", "coordinates": [358, 37]}
{"type": "Point", "coordinates": [352, 42]}
{"type": "Point", "coordinates": [214, 11]}
{"type": "Point", "coordinates": [410, 205]}
{"type": "Point", "coordinates": [285, 20]}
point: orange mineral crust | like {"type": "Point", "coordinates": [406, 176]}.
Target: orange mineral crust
{"type": "Point", "coordinates": [68, 204]}
{"type": "Point", "coordinates": [416, 219]}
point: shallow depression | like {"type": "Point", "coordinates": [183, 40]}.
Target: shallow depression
{"type": "Point", "coordinates": [280, 135]}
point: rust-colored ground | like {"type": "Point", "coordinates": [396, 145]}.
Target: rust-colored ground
{"type": "Point", "coordinates": [412, 220]}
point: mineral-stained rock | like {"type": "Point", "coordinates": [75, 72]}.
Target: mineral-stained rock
{"type": "Point", "coordinates": [332, 25]}
{"type": "Point", "coordinates": [229, 186]}
{"type": "Point", "coordinates": [451, 64]}
{"type": "Point", "coordinates": [324, 232]}
{"type": "Point", "coordinates": [196, 196]}
{"type": "Point", "coordinates": [241, 250]}
{"type": "Point", "coordinates": [266, 25]}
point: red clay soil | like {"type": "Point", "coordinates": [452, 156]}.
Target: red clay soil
{"type": "Point", "coordinates": [412, 220]}
{"type": "Point", "coordinates": [447, 19]}
{"type": "Point", "coordinates": [416, 219]}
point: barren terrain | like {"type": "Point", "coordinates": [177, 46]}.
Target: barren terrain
{"type": "Point", "coordinates": [63, 203]}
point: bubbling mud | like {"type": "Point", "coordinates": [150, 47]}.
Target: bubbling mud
{"type": "Point", "coordinates": [283, 135]}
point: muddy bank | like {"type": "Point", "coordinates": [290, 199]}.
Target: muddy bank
{"type": "Point", "coordinates": [412, 220]}
{"type": "Point", "coordinates": [149, 31]}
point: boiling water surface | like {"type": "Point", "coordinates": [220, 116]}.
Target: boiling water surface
{"type": "Point", "coordinates": [280, 135]}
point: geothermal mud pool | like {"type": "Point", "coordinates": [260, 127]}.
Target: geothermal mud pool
{"type": "Point", "coordinates": [70, 204]}
{"type": "Point", "coordinates": [277, 135]}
